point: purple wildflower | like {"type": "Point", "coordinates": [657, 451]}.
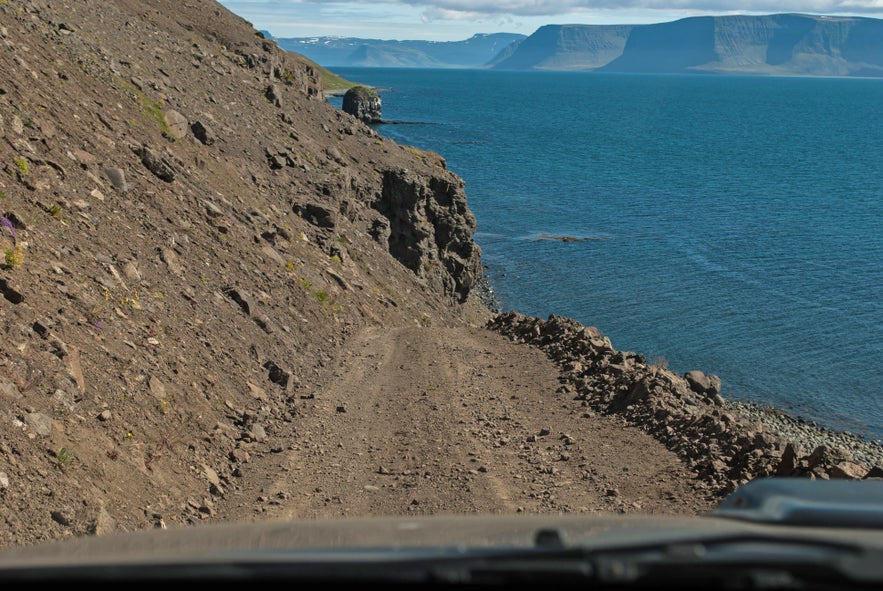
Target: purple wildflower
{"type": "Point", "coordinates": [8, 225]}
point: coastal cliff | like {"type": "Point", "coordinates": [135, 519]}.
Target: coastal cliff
{"type": "Point", "coordinates": [773, 44]}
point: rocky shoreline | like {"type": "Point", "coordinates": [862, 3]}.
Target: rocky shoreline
{"type": "Point", "coordinates": [483, 292]}
{"type": "Point", "coordinates": [809, 435]}
{"type": "Point", "coordinates": [726, 443]}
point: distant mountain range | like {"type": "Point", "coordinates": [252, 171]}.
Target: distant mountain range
{"type": "Point", "coordinates": [475, 52]}
{"type": "Point", "coordinates": [778, 44]}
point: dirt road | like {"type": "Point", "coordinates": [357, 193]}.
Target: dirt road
{"type": "Point", "coordinates": [458, 421]}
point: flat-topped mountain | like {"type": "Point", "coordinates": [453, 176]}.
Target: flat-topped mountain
{"type": "Point", "coordinates": [566, 47]}
{"type": "Point", "coordinates": [779, 44]}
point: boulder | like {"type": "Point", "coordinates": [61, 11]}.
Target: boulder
{"type": "Point", "coordinates": [156, 163]}
{"type": "Point", "coordinates": [847, 469]}
{"type": "Point", "coordinates": [177, 123]}
{"type": "Point", "coordinates": [701, 383]}
{"type": "Point", "coordinates": [203, 133]}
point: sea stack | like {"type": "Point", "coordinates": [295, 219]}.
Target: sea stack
{"type": "Point", "coordinates": [363, 103]}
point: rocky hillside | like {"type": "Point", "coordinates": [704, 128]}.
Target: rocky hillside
{"type": "Point", "coordinates": [779, 44]}
{"type": "Point", "coordinates": [189, 231]}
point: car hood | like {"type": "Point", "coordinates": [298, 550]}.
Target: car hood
{"type": "Point", "coordinates": [795, 529]}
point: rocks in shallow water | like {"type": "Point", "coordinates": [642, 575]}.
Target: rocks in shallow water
{"type": "Point", "coordinates": [807, 437]}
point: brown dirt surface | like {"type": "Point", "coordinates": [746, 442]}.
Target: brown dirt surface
{"type": "Point", "coordinates": [459, 420]}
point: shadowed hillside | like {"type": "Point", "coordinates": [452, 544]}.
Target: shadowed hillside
{"type": "Point", "coordinates": [192, 231]}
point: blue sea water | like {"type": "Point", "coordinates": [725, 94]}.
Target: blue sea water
{"type": "Point", "coordinates": [735, 223]}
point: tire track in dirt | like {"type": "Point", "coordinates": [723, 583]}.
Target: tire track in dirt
{"type": "Point", "coordinates": [462, 421]}
{"type": "Point", "coordinates": [390, 434]}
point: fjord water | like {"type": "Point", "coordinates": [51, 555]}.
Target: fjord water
{"type": "Point", "coordinates": [731, 224]}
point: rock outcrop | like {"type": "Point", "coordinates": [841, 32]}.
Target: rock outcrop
{"type": "Point", "coordinates": [430, 229]}
{"type": "Point", "coordinates": [364, 104]}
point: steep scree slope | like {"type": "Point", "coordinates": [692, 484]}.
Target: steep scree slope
{"type": "Point", "coordinates": [192, 231]}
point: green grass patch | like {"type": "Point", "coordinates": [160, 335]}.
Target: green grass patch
{"type": "Point", "coordinates": [14, 257]}
{"type": "Point", "coordinates": [22, 165]}
{"type": "Point", "coordinates": [332, 82]}
{"type": "Point", "coordinates": [152, 109]}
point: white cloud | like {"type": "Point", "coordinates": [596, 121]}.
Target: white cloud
{"type": "Point", "coordinates": [459, 19]}
{"type": "Point", "coordinates": [463, 9]}
{"type": "Point", "coordinates": [460, 9]}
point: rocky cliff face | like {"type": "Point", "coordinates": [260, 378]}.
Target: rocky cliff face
{"type": "Point", "coordinates": [364, 104]}
{"type": "Point", "coordinates": [161, 127]}
{"type": "Point", "coordinates": [429, 229]}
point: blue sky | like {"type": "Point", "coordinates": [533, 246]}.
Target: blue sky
{"type": "Point", "coordinates": [455, 20]}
